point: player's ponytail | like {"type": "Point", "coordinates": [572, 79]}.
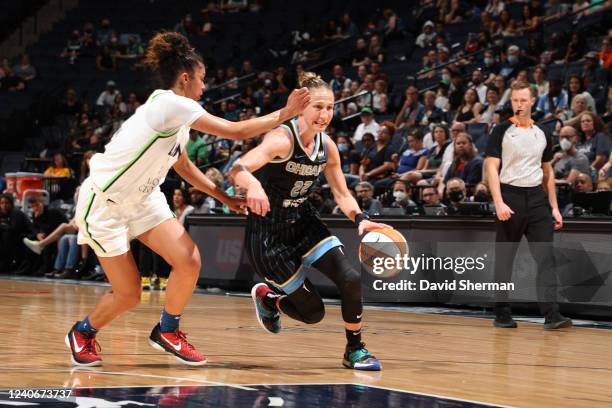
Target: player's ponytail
{"type": "Point", "coordinates": [168, 54]}
{"type": "Point", "coordinates": [311, 80]}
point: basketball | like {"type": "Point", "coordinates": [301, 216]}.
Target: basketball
{"type": "Point", "coordinates": [378, 245]}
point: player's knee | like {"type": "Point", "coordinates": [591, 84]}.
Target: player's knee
{"type": "Point", "coordinates": [351, 287]}
{"type": "Point", "coordinates": [314, 310]}
{"type": "Point", "coordinates": [189, 264]}
{"type": "Point", "coordinates": [129, 300]}
{"type": "Point", "coordinates": [315, 315]}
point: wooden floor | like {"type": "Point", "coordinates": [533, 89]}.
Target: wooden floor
{"type": "Point", "coordinates": [443, 355]}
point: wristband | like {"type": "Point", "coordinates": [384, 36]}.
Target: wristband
{"type": "Point", "coordinates": [360, 217]}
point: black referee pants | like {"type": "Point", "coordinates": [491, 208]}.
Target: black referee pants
{"type": "Point", "coordinates": [532, 217]}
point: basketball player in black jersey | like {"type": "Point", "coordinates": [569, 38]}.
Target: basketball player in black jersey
{"type": "Point", "coordinates": [284, 231]}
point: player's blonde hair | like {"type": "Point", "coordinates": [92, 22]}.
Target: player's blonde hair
{"type": "Point", "coordinates": [311, 80]}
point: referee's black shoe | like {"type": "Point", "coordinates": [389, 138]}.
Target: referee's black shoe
{"type": "Point", "coordinates": [503, 318]}
{"type": "Point", "coordinates": [556, 320]}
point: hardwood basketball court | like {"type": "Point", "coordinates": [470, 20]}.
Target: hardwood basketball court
{"type": "Point", "coordinates": [425, 355]}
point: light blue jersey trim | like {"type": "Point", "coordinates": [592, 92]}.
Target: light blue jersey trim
{"type": "Point", "coordinates": [320, 249]}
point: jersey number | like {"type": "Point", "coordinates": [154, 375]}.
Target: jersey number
{"type": "Point", "coordinates": [300, 188]}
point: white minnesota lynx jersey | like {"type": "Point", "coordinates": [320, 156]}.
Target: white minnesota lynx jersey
{"type": "Point", "coordinates": [137, 159]}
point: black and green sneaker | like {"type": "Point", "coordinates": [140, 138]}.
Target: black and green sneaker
{"type": "Point", "coordinates": [268, 319]}
{"type": "Point", "coordinates": [359, 358]}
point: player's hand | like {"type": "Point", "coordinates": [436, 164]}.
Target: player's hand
{"type": "Point", "coordinates": [297, 102]}
{"type": "Point", "coordinates": [367, 225]}
{"type": "Point", "coordinates": [558, 219]}
{"type": "Point", "coordinates": [503, 212]}
{"type": "Point", "coordinates": [257, 200]}
{"type": "Point", "coordinates": [237, 204]}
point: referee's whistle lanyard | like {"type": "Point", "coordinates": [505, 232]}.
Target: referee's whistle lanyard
{"type": "Point", "coordinates": [515, 121]}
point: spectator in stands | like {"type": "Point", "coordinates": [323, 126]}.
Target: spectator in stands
{"type": "Point", "coordinates": [25, 70]}
{"type": "Point", "coordinates": [322, 204]}
{"type": "Point", "coordinates": [456, 192]}
{"type": "Point", "coordinates": [360, 55]}
{"type": "Point", "coordinates": [186, 26]}
{"type": "Point", "coordinates": [84, 168]}
{"type": "Point", "coordinates": [366, 200]}
{"type": "Point", "coordinates": [430, 196]}
{"type": "Point", "coordinates": [513, 62]}
{"type": "Point", "coordinates": [412, 156]}
{"type": "Point", "coordinates": [60, 167]}
{"type": "Point", "coordinates": [14, 226]}
{"type": "Point", "coordinates": [481, 194]}
{"type": "Point", "coordinates": [379, 97]}
{"type": "Point", "coordinates": [400, 194]}
{"type": "Point", "coordinates": [105, 33]}
{"type": "Point", "coordinates": [605, 55]}
{"type": "Point", "coordinates": [490, 68]}
{"type": "Point", "coordinates": [412, 110]}
{"type": "Point", "coordinates": [346, 108]}
{"type": "Point", "coordinates": [107, 97]}
{"type": "Point", "coordinates": [492, 104]}
{"type": "Point", "coordinates": [347, 27]}
{"type": "Point", "coordinates": [73, 47]}
{"type": "Point", "coordinates": [375, 50]}
{"type": "Point", "coordinates": [431, 113]}
{"type": "Point", "coordinates": [569, 162]}
{"type": "Point", "coordinates": [238, 150]}
{"type": "Point", "coordinates": [105, 61]}
{"type": "Point", "coordinates": [427, 36]}
{"type": "Point", "coordinates": [180, 206]}
{"type": "Point", "coordinates": [579, 105]}
{"type": "Point", "coordinates": [594, 137]}
{"type": "Point", "coordinates": [197, 149]}
{"type": "Point", "coordinates": [70, 106]}
{"type": "Point", "coordinates": [441, 138]}
{"type": "Point", "coordinates": [367, 125]}
{"type": "Point", "coordinates": [478, 84]}
{"type": "Point", "coordinates": [575, 86]}
{"type": "Point", "coordinates": [507, 24]}
{"type": "Point", "coordinates": [339, 82]}
{"type": "Point", "coordinates": [583, 183]}
{"type": "Point", "coordinates": [596, 77]}
{"type": "Point", "coordinates": [529, 21]}
{"type": "Point", "coordinates": [495, 7]}
{"type": "Point", "coordinates": [539, 80]}
{"type": "Point", "coordinates": [459, 11]}
{"type": "Point", "coordinates": [45, 222]}
{"type": "Point", "coordinates": [554, 102]}
{"type": "Point", "coordinates": [349, 159]}
{"type": "Point", "coordinates": [376, 160]}
{"type": "Point", "coordinates": [575, 48]}
{"type": "Point", "coordinates": [469, 110]}
{"type": "Point", "coordinates": [466, 165]}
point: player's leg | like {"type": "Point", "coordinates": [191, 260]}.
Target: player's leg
{"type": "Point", "coordinates": [125, 294]}
{"type": "Point", "coordinates": [337, 267]}
{"type": "Point", "coordinates": [170, 240]}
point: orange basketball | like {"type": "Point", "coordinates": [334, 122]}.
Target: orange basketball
{"type": "Point", "coordinates": [379, 245]}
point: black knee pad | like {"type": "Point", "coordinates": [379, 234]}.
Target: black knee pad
{"type": "Point", "coordinates": [307, 304]}
{"type": "Point", "coordinates": [336, 266]}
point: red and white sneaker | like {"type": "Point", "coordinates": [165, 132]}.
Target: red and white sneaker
{"type": "Point", "coordinates": [84, 349]}
{"type": "Point", "coordinates": [176, 344]}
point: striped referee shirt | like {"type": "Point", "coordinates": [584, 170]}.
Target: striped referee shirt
{"type": "Point", "coordinates": [522, 150]}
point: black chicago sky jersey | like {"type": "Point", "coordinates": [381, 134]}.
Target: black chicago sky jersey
{"type": "Point", "coordinates": [288, 181]}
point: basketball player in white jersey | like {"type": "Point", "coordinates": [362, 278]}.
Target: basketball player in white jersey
{"type": "Point", "coordinates": [121, 199]}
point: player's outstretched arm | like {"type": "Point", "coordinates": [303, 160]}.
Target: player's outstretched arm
{"type": "Point", "coordinates": [342, 195]}
{"type": "Point", "coordinates": [188, 171]}
{"type": "Point", "coordinates": [276, 143]}
{"type": "Point", "coordinates": [246, 129]}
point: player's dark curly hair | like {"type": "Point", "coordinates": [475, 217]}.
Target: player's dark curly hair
{"type": "Point", "coordinates": [168, 54]}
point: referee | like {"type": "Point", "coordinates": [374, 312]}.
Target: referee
{"type": "Point", "coordinates": [522, 183]}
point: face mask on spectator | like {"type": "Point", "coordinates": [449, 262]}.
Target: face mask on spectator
{"type": "Point", "coordinates": [455, 196]}
{"type": "Point", "coordinates": [446, 77]}
{"type": "Point", "coordinates": [565, 144]}
{"type": "Point", "coordinates": [343, 147]}
{"type": "Point", "coordinates": [489, 61]}
{"type": "Point", "coordinates": [399, 195]}
{"type": "Point", "coordinates": [481, 197]}
{"type": "Point", "coordinates": [512, 59]}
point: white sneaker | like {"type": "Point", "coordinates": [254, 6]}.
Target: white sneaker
{"type": "Point", "coordinates": [34, 246]}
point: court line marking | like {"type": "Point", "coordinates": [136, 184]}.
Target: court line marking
{"type": "Point", "coordinates": [437, 396]}
{"type": "Point", "coordinates": [118, 373]}
{"type": "Point", "coordinates": [396, 390]}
